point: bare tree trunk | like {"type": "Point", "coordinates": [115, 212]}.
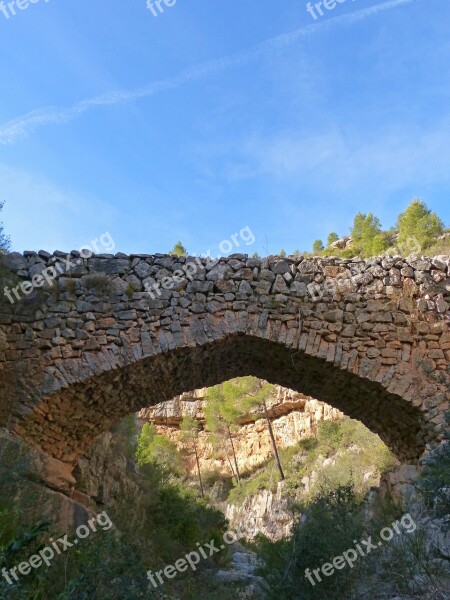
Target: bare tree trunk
{"type": "Point", "coordinates": [274, 445]}
{"type": "Point", "coordinates": [230, 463]}
{"type": "Point", "coordinates": [198, 469]}
{"type": "Point", "coordinates": [238, 476]}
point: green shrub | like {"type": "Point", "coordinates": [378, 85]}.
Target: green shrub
{"type": "Point", "coordinates": [159, 449]}
{"type": "Point", "coordinates": [331, 524]}
{"type": "Point", "coordinates": [353, 450]}
{"type": "Point", "coordinates": [151, 533]}
{"type": "Point", "coordinates": [98, 283]}
{"type": "Point", "coordinates": [442, 246]}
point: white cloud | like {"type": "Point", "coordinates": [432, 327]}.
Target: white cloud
{"type": "Point", "coordinates": [337, 162]}
{"type": "Point", "coordinates": [28, 123]}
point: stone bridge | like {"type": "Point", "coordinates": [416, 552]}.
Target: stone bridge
{"type": "Point", "coordinates": [85, 340]}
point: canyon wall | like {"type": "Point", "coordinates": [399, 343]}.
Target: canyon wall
{"type": "Point", "coordinates": [293, 417]}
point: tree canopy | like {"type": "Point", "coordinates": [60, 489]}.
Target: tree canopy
{"type": "Point", "coordinates": [333, 237]}
{"type": "Point", "coordinates": [417, 229]}
{"type": "Point", "coordinates": [179, 249]}
{"type": "Point", "coordinates": [159, 449]}
{"type": "Point", "coordinates": [318, 247]}
{"type": "Point", "coordinates": [368, 237]}
{"type": "Point", "coordinates": [420, 223]}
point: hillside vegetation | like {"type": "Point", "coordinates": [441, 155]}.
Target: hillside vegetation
{"type": "Point", "coordinates": [418, 230]}
{"type": "Point", "coordinates": [342, 450]}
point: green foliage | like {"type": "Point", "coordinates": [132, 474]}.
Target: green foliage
{"type": "Point", "coordinates": [98, 283]}
{"type": "Point", "coordinates": [368, 238]}
{"type": "Point", "coordinates": [333, 237]}
{"type": "Point", "coordinates": [159, 449]}
{"type": "Point", "coordinates": [441, 246]}
{"type": "Point", "coordinates": [318, 247]}
{"type": "Point", "coordinates": [332, 523]}
{"type": "Point", "coordinates": [420, 223]}
{"type": "Point", "coordinates": [186, 518]}
{"type": "Point", "coordinates": [175, 519]}
{"type": "Point", "coordinates": [155, 527]}
{"type": "Point", "coordinates": [179, 250]}
{"type": "Point", "coordinates": [80, 573]}
{"type": "Point", "coordinates": [264, 479]}
{"type": "Point", "coordinates": [17, 540]}
{"type": "Point", "coordinates": [5, 242]}
{"type": "Point", "coordinates": [6, 276]}
{"type": "Point", "coordinates": [282, 253]}
{"type": "Point", "coordinates": [129, 290]}
{"type": "Point", "coordinates": [228, 402]}
{"type": "Point", "coordinates": [128, 430]}
{"type": "Point", "coordinates": [189, 434]}
{"type": "Point", "coordinates": [189, 429]}
{"type": "Point", "coordinates": [352, 452]}
{"type": "Point", "coordinates": [417, 229]}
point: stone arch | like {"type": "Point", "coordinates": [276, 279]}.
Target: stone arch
{"type": "Point", "coordinates": [66, 421]}
{"type": "Point", "coordinates": [370, 338]}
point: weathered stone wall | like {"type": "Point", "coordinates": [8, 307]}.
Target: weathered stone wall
{"type": "Point", "coordinates": [371, 340]}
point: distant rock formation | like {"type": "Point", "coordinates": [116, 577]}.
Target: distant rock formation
{"type": "Point", "coordinates": [293, 416]}
{"type": "Point", "coordinates": [345, 243]}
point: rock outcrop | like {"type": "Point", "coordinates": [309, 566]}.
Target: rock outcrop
{"type": "Point", "coordinates": [269, 511]}
{"type": "Point", "coordinates": [293, 417]}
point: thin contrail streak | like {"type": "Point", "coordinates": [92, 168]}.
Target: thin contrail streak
{"type": "Point", "coordinates": [26, 124]}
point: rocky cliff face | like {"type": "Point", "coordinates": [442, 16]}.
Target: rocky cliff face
{"type": "Point", "coordinates": [293, 417]}
{"type": "Point", "coordinates": [268, 512]}
{"type": "Point", "coordinates": [105, 475]}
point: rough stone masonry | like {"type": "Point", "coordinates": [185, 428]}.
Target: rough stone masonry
{"type": "Point", "coordinates": [371, 338]}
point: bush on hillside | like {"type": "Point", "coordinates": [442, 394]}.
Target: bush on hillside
{"type": "Point", "coordinates": [331, 524]}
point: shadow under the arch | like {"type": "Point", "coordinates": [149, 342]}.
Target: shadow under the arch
{"type": "Point", "coordinates": [84, 410]}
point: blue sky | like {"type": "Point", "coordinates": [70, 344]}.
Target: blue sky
{"type": "Point", "coordinates": [217, 115]}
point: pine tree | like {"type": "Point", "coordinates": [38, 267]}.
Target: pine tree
{"type": "Point", "coordinates": [419, 223]}
{"type": "Point", "coordinates": [258, 396]}
{"type": "Point", "coordinates": [318, 247]}
{"type": "Point", "coordinates": [220, 422]}
{"type": "Point", "coordinates": [189, 428]}
{"type": "Point", "coordinates": [368, 238]}
{"type": "Point", "coordinates": [239, 396]}
{"type": "Point", "coordinates": [333, 237]}
{"type": "Point", "coordinates": [159, 449]}
{"type": "Point", "coordinates": [179, 250]}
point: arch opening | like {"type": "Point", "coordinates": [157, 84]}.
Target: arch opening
{"type": "Point", "coordinates": [64, 423]}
